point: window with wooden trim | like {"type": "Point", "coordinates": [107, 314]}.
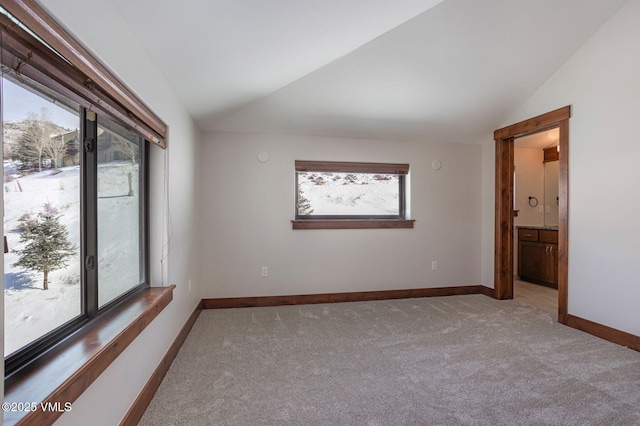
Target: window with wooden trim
{"type": "Point", "coordinates": [343, 195]}
{"type": "Point", "coordinates": [75, 186]}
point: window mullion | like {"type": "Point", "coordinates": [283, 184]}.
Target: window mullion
{"type": "Point", "coordinates": [402, 200]}
{"type": "Point", "coordinates": [90, 212]}
{"type": "Point", "coordinates": [144, 216]}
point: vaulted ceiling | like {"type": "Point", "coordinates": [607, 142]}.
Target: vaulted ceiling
{"type": "Point", "coordinates": [437, 70]}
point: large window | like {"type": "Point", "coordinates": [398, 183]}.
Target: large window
{"type": "Point", "coordinates": [75, 186]}
{"type": "Point", "coordinates": [350, 195]}
{"type": "Point", "coordinates": [74, 216]}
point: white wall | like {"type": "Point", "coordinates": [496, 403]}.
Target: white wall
{"type": "Point", "coordinates": [551, 193]}
{"type": "Point", "coordinates": [247, 208]}
{"type": "Point", "coordinates": [488, 211]}
{"type": "Point", "coordinates": [108, 399]}
{"type": "Point", "coordinates": [601, 83]}
{"type": "Point", "coordinates": [529, 183]}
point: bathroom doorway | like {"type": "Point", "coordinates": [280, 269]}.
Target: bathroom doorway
{"type": "Point", "coordinates": [505, 211]}
{"type": "Point", "coordinates": [536, 217]}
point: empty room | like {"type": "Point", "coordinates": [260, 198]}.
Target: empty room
{"type": "Point", "coordinates": [320, 212]}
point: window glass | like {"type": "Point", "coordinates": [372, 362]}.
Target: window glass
{"type": "Point", "coordinates": [41, 182]}
{"type": "Point", "coordinates": [348, 194]}
{"type": "Point", "coordinates": [119, 224]}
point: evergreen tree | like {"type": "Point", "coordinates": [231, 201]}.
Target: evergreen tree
{"type": "Point", "coordinates": [304, 205]}
{"type": "Point", "coordinates": [47, 243]}
{"type": "Point", "coordinates": [25, 151]}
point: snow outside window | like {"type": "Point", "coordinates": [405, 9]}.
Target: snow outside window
{"type": "Point", "coordinates": [323, 194]}
{"type": "Point", "coordinates": [334, 191]}
{"type": "Point", "coordinates": [41, 182]}
{"type": "Point", "coordinates": [69, 256]}
{"type": "Point", "coordinates": [119, 187]}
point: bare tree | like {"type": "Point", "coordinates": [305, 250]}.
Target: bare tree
{"type": "Point", "coordinates": [36, 138]}
{"type": "Point", "coordinates": [55, 148]}
{"type": "Point", "coordinates": [129, 149]}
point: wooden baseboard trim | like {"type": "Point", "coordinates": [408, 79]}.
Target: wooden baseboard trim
{"type": "Point", "coordinates": [487, 291]}
{"type": "Point", "coordinates": [141, 403]}
{"type": "Point", "coordinates": [306, 299]}
{"type": "Point", "coordinates": [613, 335]}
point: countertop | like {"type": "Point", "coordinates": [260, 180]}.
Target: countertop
{"type": "Point", "coordinates": [550, 228]}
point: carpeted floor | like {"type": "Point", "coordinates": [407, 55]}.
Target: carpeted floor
{"type": "Point", "coordinates": [460, 360]}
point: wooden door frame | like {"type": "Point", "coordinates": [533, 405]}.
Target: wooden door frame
{"type": "Point", "coordinates": [504, 138]}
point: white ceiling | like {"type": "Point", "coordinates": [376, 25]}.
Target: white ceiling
{"type": "Point", "coordinates": [540, 140]}
{"type": "Point", "coordinates": [446, 71]}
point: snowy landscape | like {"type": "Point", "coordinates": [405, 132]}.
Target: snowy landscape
{"type": "Point", "coordinates": [30, 311]}
{"type": "Point", "coordinates": [41, 151]}
{"type": "Point", "coordinates": [348, 193]}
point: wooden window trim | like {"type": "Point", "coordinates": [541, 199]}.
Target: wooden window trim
{"type": "Point", "coordinates": [352, 223]}
{"type": "Point", "coordinates": [64, 373]}
{"type": "Point", "coordinates": [86, 71]}
{"type": "Point", "coordinates": [351, 167]}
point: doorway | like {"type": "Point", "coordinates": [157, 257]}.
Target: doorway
{"type": "Point", "coordinates": [504, 232]}
{"type": "Point", "coordinates": [535, 266]}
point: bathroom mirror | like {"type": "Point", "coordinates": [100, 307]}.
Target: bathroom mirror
{"type": "Point", "coordinates": [551, 200]}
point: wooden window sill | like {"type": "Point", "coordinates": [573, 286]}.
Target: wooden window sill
{"type": "Point", "coordinates": [60, 376]}
{"type": "Point", "coordinates": [351, 223]}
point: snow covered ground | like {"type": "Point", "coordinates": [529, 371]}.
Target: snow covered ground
{"type": "Point", "coordinates": [118, 230]}
{"type": "Point", "coordinates": [30, 311]}
{"type": "Point", "coordinates": [350, 193]}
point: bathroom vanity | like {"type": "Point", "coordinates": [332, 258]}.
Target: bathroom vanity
{"type": "Point", "coordinates": [538, 254]}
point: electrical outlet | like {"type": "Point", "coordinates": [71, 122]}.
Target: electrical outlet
{"type": "Point", "coordinates": [264, 271]}
{"type": "Point", "coordinates": [434, 265]}
{"type": "Point", "coordinates": [540, 209]}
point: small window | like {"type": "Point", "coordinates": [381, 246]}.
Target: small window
{"type": "Point", "coordinates": [350, 195]}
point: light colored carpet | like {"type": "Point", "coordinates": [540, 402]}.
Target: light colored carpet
{"type": "Point", "coordinates": [460, 360]}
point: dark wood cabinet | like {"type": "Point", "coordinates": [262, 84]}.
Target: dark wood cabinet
{"type": "Point", "coordinates": [538, 256]}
